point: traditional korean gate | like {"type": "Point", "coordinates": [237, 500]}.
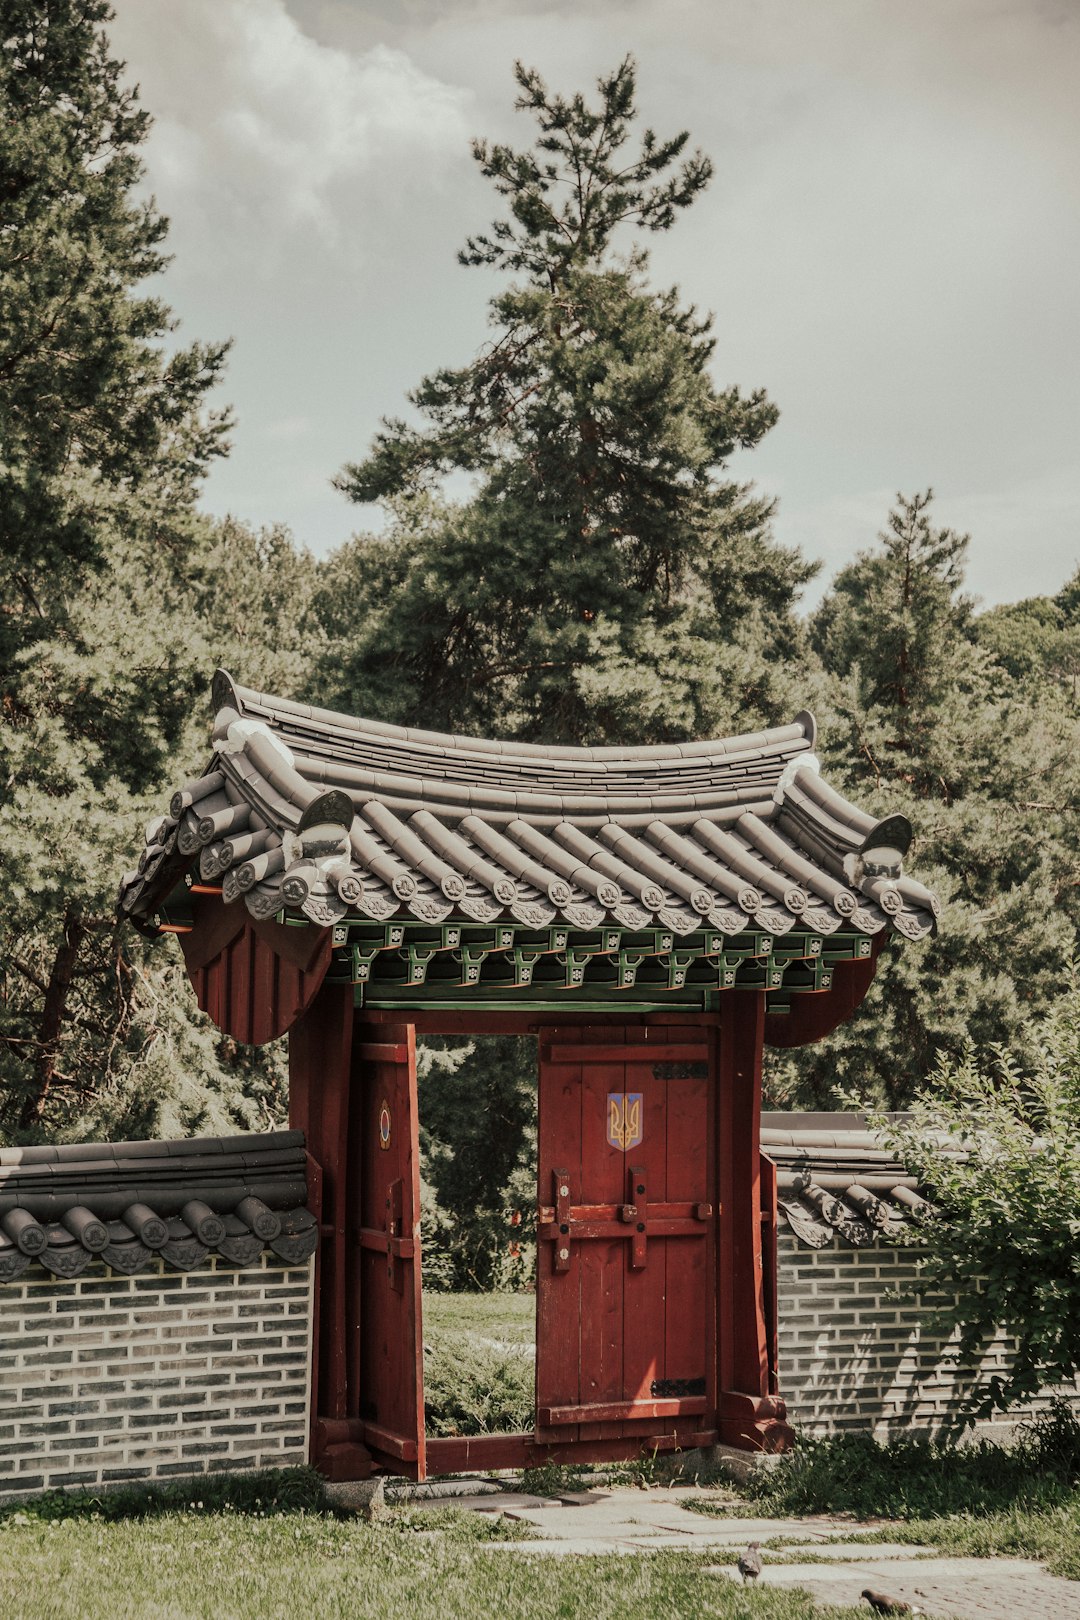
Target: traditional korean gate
{"type": "Point", "coordinates": [626, 1316]}
{"type": "Point", "coordinates": [390, 1342]}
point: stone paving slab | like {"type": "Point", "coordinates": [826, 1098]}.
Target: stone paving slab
{"type": "Point", "coordinates": [626, 1521]}
{"type": "Point", "coordinates": [845, 1552]}
{"type": "Point", "coordinates": [944, 1588]}
{"type": "Point", "coordinates": [585, 1548]}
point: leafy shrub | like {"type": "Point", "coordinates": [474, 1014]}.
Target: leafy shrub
{"type": "Point", "coordinates": [471, 1387]}
{"type": "Point", "coordinates": [997, 1144]}
{"type": "Point", "coordinates": [912, 1477]}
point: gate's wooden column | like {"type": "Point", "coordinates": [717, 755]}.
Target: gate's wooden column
{"type": "Point", "coordinates": [323, 1104]}
{"type": "Point", "coordinates": [749, 1415]}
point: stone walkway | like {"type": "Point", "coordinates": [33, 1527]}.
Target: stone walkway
{"type": "Point", "coordinates": [627, 1520]}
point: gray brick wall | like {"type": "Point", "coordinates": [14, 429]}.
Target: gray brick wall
{"type": "Point", "coordinates": [109, 1378]}
{"type": "Point", "coordinates": [850, 1357]}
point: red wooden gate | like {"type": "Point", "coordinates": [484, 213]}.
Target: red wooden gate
{"type": "Point", "coordinates": [627, 1220]}
{"type": "Point", "coordinates": [390, 1376]}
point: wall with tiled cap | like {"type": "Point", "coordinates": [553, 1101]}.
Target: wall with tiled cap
{"type": "Point", "coordinates": [854, 1353]}
{"type": "Point", "coordinates": [155, 1309]}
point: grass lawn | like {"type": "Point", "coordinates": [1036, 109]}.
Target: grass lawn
{"type": "Point", "coordinates": [229, 1566]}
{"type": "Point", "coordinates": [509, 1319]}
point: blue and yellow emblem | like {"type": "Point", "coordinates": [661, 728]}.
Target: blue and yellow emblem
{"type": "Point", "coordinates": [625, 1119]}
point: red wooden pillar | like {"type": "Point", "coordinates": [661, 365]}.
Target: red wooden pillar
{"type": "Point", "coordinates": [749, 1414]}
{"type": "Point", "coordinates": [322, 1103]}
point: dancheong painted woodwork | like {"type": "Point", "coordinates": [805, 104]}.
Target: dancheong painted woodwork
{"type": "Point", "coordinates": [653, 917]}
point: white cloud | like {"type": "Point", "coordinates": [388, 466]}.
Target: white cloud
{"type": "Point", "coordinates": [262, 132]}
{"type": "Point", "coordinates": [889, 243]}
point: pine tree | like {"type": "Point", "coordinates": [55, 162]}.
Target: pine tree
{"type": "Point", "coordinates": [90, 404]}
{"type": "Point", "coordinates": [1038, 640]}
{"type": "Point", "coordinates": [925, 721]}
{"type": "Point", "coordinates": [115, 594]}
{"type": "Point", "coordinates": [605, 579]}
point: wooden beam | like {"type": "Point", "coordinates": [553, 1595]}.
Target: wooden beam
{"type": "Point", "coordinates": [320, 1060]}
{"type": "Point", "coordinates": [813, 1016]}
{"type": "Point", "coordinates": [750, 1415]}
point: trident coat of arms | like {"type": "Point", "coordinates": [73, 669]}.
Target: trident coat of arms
{"type": "Point", "coordinates": [625, 1123]}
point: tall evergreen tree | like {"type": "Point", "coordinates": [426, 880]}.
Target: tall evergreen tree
{"type": "Point", "coordinates": [112, 598]}
{"type": "Point", "coordinates": [91, 405]}
{"type": "Point", "coordinates": [926, 721]}
{"type": "Point", "coordinates": [606, 579]}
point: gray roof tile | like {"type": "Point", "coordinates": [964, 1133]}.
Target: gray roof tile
{"type": "Point", "coordinates": [125, 1202]}
{"type": "Point", "coordinates": [726, 831]}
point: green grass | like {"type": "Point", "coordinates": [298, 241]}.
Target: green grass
{"type": "Point", "coordinates": [1051, 1535]}
{"type": "Point", "coordinates": [509, 1318]}
{"type": "Point", "coordinates": [421, 1566]}
{"type": "Point", "coordinates": [479, 1363]}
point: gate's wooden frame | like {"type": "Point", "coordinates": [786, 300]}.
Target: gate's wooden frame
{"type": "Point", "coordinates": [260, 980]}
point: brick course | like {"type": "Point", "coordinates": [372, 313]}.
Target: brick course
{"type": "Point", "coordinates": [851, 1357]}
{"type": "Point", "coordinates": [111, 1378]}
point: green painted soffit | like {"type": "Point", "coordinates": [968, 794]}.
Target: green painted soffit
{"type": "Point", "coordinates": [508, 967]}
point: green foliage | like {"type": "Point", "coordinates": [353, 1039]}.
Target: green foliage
{"type": "Point", "coordinates": [477, 1104]}
{"type": "Point", "coordinates": [893, 627]}
{"type": "Point", "coordinates": [923, 720]}
{"type": "Point", "coordinates": [1038, 640]}
{"type": "Point", "coordinates": [997, 1145]}
{"type": "Point", "coordinates": [115, 597]}
{"type": "Point", "coordinates": [479, 1361]}
{"type": "Point", "coordinates": [914, 1478]}
{"type": "Point", "coordinates": [554, 1479]}
{"type": "Point", "coordinates": [472, 1387]}
{"type": "Point", "coordinates": [604, 580]}
{"type": "Point", "coordinates": [89, 402]}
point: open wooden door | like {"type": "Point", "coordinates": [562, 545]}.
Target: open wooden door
{"type": "Point", "coordinates": [391, 1369]}
{"type": "Point", "coordinates": [627, 1221]}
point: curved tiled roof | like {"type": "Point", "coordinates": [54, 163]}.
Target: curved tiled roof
{"type": "Point", "coordinates": [305, 810]}
{"type": "Point", "coordinates": [835, 1178]}
{"type": "Point", "coordinates": [125, 1203]}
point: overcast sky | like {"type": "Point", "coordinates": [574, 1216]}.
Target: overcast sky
{"type": "Point", "coordinates": [890, 245]}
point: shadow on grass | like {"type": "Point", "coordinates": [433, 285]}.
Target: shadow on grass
{"type": "Point", "coordinates": [263, 1493]}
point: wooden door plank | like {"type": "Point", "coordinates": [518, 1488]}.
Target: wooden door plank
{"type": "Point", "coordinates": [264, 996]}
{"type": "Point", "coordinates": [688, 1273]}
{"type": "Point", "coordinates": [320, 1104]}
{"type": "Point", "coordinates": [242, 983]}
{"type": "Point", "coordinates": [386, 1245]}
{"type": "Point", "coordinates": [602, 1263]}
{"type": "Point", "coordinates": [645, 1289]}
{"type": "Point", "coordinates": [609, 1052]}
{"type": "Point", "coordinates": [620, 1411]}
{"type": "Point", "coordinates": [743, 1346]}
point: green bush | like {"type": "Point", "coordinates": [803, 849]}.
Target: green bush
{"type": "Point", "coordinates": [918, 1478]}
{"type": "Point", "coordinates": [471, 1387]}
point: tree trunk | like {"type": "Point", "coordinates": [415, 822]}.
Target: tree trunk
{"type": "Point", "coordinates": [53, 1014]}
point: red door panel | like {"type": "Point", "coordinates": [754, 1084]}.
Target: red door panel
{"type": "Point", "coordinates": [626, 1228]}
{"type": "Point", "coordinates": [387, 1250]}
